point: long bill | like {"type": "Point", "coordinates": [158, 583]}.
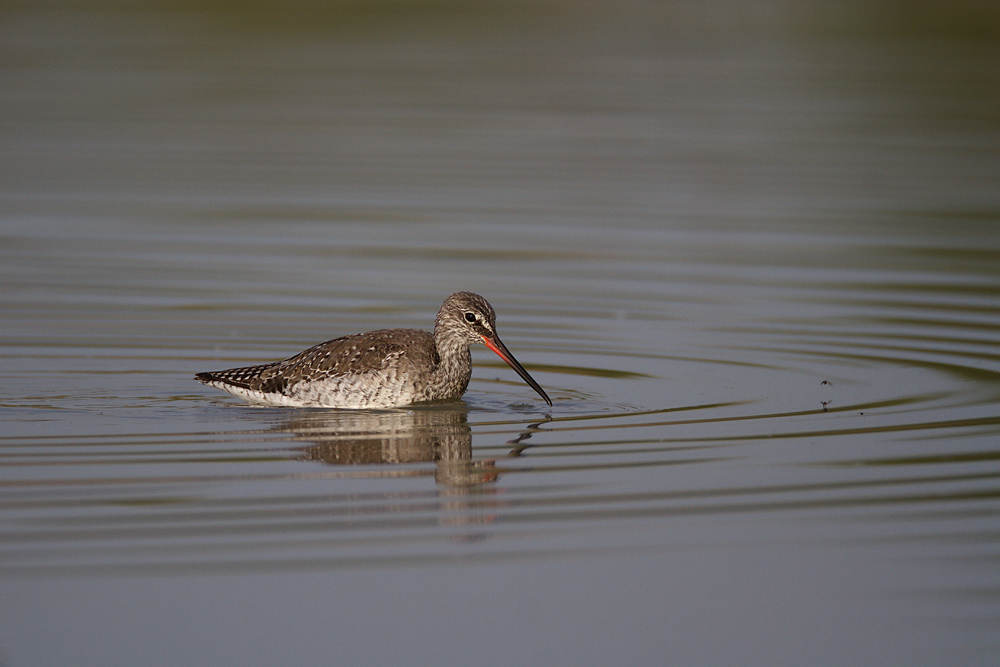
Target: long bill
{"type": "Point", "coordinates": [497, 346]}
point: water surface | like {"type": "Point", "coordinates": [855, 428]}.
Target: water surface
{"type": "Point", "coordinates": [756, 268]}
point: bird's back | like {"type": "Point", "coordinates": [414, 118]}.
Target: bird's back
{"type": "Point", "coordinates": [376, 369]}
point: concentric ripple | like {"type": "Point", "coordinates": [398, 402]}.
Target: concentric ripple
{"type": "Point", "coordinates": [831, 400]}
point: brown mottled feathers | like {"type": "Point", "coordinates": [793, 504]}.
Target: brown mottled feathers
{"type": "Point", "coordinates": [380, 369]}
{"type": "Point", "coordinates": [357, 354]}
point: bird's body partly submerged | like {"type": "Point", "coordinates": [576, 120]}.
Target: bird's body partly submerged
{"type": "Point", "coordinates": [380, 369]}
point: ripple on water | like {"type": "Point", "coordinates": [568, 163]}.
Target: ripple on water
{"type": "Point", "coordinates": [725, 405]}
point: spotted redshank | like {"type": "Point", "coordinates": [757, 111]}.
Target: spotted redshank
{"type": "Point", "coordinates": [379, 369]}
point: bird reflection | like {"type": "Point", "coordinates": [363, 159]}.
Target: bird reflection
{"type": "Point", "coordinates": [426, 435]}
{"type": "Point", "coordinates": [466, 496]}
{"type": "Point", "coordinates": [519, 444]}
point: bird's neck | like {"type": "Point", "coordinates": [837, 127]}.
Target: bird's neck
{"type": "Point", "coordinates": [455, 365]}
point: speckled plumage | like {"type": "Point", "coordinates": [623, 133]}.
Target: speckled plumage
{"type": "Point", "coordinates": [379, 369]}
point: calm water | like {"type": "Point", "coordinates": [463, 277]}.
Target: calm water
{"type": "Point", "coordinates": [753, 257]}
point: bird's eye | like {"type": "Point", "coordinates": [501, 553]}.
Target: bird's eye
{"type": "Point", "coordinates": [471, 318]}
